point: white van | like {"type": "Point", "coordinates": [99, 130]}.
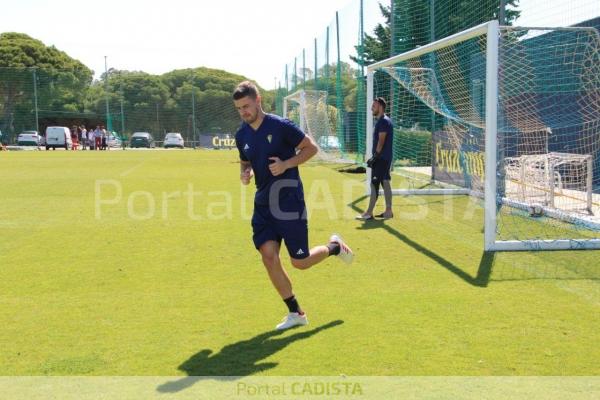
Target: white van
{"type": "Point", "coordinates": [58, 136]}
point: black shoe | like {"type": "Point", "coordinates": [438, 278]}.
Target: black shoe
{"type": "Point", "coordinates": [383, 216]}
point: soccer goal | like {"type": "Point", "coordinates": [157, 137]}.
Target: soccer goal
{"type": "Point", "coordinates": [309, 110]}
{"type": "Point", "coordinates": [509, 115]}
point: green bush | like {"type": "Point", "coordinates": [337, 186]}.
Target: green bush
{"type": "Point", "coordinates": [412, 148]}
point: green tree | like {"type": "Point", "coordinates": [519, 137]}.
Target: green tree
{"type": "Point", "coordinates": [347, 79]}
{"type": "Point", "coordinates": [453, 16]}
{"type": "Point", "coordinates": [168, 102]}
{"type": "Point", "coordinates": [412, 26]}
{"type": "Point", "coordinates": [60, 79]}
{"type": "Point", "coordinates": [407, 25]}
{"type": "Point", "coordinates": [145, 98]}
{"type": "Point", "coordinates": [376, 47]}
{"type": "Point", "coordinates": [67, 92]}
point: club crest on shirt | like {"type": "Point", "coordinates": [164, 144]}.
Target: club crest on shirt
{"type": "Point", "coordinates": [269, 138]}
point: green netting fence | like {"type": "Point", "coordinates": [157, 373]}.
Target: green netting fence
{"type": "Point", "coordinates": [363, 32]}
{"type": "Point", "coordinates": [193, 102]}
{"type": "Point", "coordinates": [330, 69]}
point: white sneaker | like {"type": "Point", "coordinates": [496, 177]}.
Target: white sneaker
{"type": "Point", "coordinates": [292, 319]}
{"type": "Point", "coordinates": [346, 254]}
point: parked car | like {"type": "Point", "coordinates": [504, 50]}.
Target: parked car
{"type": "Point", "coordinates": [58, 136]}
{"type": "Point", "coordinates": [141, 139]}
{"type": "Point", "coordinates": [28, 138]}
{"type": "Point", "coordinates": [173, 139]}
{"type": "Point", "coordinates": [329, 142]}
{"type": "Point", "coordinates": [114, 141]}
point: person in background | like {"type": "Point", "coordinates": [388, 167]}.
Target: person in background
{"type": "Point", "coordinates": [381, 161]}
{"type": "Point", "coordinates": [74, 138]}
{"type": "Point", "coordinates": [97, 138]}
{"type": "Point", "coordinates": [84, 137]}
{"type": "Point", "coordinates": [104, 138]}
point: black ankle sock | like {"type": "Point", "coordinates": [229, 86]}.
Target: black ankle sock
{"type": "Point", "coordinates": [292, 304]}
{"type": "Point", "coordinates": [334, 248]}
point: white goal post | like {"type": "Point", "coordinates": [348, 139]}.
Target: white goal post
{"type": "Point", "coordinates": [309, 109]}
{"type": "Point", "coordinates": [550, 174]}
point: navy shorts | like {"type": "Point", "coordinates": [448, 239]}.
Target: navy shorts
{"type": "Point", "coordinates": [289, 223]}
{"type": "Point", "coordinates": [381, 171]}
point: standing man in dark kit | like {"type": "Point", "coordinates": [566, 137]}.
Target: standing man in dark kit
{"type": "Point", "coordinates": [381, 161]}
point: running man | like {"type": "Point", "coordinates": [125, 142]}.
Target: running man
{"type": "Point", "coordinates": [271, 148]}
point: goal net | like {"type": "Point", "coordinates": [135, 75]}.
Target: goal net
{"type": "Point", "coordinates": [559, 181]}
{"type": "Point", "coordinates": [309, 110]}
{"type": "Point", "coordinates": [509, 115]}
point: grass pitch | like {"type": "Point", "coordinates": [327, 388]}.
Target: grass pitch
{"type": "Point", "coordinates": [161, 278]}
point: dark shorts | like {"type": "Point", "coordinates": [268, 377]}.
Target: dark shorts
{"type": "Point", "coordinates": [381, 171]}
{"type": "Point", "coordinates": [293, 229]}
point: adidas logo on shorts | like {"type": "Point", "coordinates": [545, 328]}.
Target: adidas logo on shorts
{"type": "Point", "coordinates": [299, 252]}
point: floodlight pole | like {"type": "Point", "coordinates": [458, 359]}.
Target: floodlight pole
{"type": "Point", "coordinates": [193, 110]}
{"type": "Point", "coordinates": [122, 112]}
{"type": "Point", "coordinates": [339, 100]}
{"type": "Point", "coordinates": [316, 66]}
{"type": "Point", "coordinates": [304, 69]}
{"type": "Point", "coordinates": [303, 121]}
{"type": "Point", "coordinates": [295, 76]}
{"type": "Point", "coordinates": [106, 90]}
{"type": "Point", "coordinates": [157, 121]}
{"type": "Point", "coordinates": [327, 63]}
{"type": "Point", "coordinates": [35, 100]}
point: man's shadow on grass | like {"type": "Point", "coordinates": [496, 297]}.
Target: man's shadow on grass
{"type": "Point", "coordinates": [485, 264]}
{"type": "Point", "coordinates": [238, 359]}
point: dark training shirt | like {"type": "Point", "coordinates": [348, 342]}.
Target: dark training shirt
{"type": "Point", "coordinates": [276, 137]}
{"type": "Point", "coordinates": [384, 124]}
